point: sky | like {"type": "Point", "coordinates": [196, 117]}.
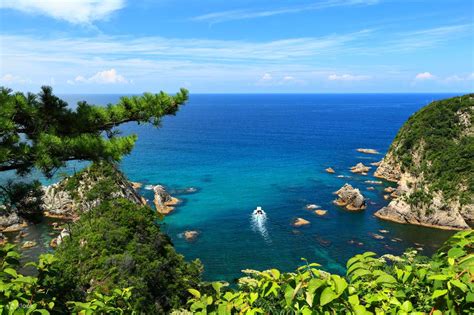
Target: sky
{"type": "Point", "coordinates": [238, 46]}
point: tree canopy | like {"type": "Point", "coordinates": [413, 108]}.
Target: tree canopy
{"type": "Point", "coordinates": [41, 131]}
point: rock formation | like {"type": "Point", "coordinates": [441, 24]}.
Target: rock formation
{"type": "Point", "coordinates": [431, 161]}
{"type": "Point", "coordinates": [61, 201]}
{"type": "Point", "coordinates": [300, 222]}
{"type": "Point", "coordinates": [360, 168]}
{"type": "Point", "coordinates": [190, 235]}
{"type": "Point", "coordinates": [163, 201]}
{"type": "Point", "coordinates": [330, 170]}
{"type": "Point", "coordinates": [350, 198]}
{"type": "Point", "coordinates": [11, 222]}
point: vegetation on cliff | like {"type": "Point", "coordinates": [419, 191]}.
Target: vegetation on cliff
{"type": "Point", "coordinates": [437, 143]}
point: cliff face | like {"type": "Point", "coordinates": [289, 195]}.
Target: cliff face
{"type": "Point", "coordinates": [85, 190]}
{"type": "Point", "coordinates": [432, 160]}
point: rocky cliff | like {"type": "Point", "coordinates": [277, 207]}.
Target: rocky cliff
{"type": "Point", "coordinates": [432, 160]}
{"type": "Point", "coordinates": [86, 189]}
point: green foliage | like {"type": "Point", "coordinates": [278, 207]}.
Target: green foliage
{"type": "Point", "coordinates": [387, 285]}
{"type": "Point", "coordinates": [20, 294]}
{"type": "Point", "coordinates": [118, 245]}
{"type": "Point", "coordinates": [437, 144]}
{"type": "Point", "coordinates": [22, 198]}
{"type": "Point", "coordinates": [41, 131]}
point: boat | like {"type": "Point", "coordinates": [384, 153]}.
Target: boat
{"type": "Point", "coordinates": [259, 212]}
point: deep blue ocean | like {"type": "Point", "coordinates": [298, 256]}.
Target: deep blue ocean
{"type": "Point", "coordinates": [243, 151]}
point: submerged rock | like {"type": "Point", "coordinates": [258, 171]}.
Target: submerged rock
{"type": "Point", "coordinates": [350, 198]}
{"type": "Point", "coordinates": [311, 206]}
{"type": "Point", "coordinates": [368, 151]}
{"type": "Point", "coordinates": [190, 235]}
{"type": "Point", "coordinates": [320, 212]}
{"type": "Point", "coordinates": [300, 222]}
{"type": "Point", "coordinates": [360, 168]}
{"type": "Point", "coordinates": [330, 170]}
{"type": "Point", "coordinates": [28, 244]}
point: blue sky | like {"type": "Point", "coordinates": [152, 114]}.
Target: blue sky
{"type": "Point", "coordinates": [256, 46]}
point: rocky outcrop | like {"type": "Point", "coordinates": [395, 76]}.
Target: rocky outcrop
{"type": "Point", "coordinates": [300, 222]}
{"type": "Point", "coordinates": [427, 161]}
{"type": "Point", "coordinates": [11, 222]}
{"type": "Point", "coordinates": [190, 235]}
{"type": "Point", "coordinates": [163, 201]}
{"type": "Point", "coordinates": [330, 170]}
{"type": "Point", "coordinates": [350, 198]}
{"type": "Point", "coordinates": [62, 201]}
{"type": "Point", "coordinates": [400, 211]}
{"type": "Point", "coordinates": [360, 168]}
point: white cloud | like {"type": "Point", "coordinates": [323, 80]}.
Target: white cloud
{"type": "Point", "coordinates": [102, 77]}
{"type": "Point", "coordinates": [73, 11]}
{"type": "Point", "coordinates": [424, 76]}
{"type": "Point", "coordinates": [11, 79]}
{"type": "Point", "coordinates": [266, 77]}
{"type": "Point", "coordinates": [243, 14]}
{"type": "Point", "coordinates": [347, 77]}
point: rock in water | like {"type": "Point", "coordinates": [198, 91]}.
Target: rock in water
{"type": "Point", "coordinates": [11, 222]}
{"type": "Point", "coordinates": [28, 244]}
{"type": "Point", "coordinates": [312, 206]}
{"type": "Point", "coordinates": [190, 235]}
{"type": "Point", "coordinates": [350, 198]}
{"type": "Point", "coordinates": [163, 201]}
{"type": "Point", "coordinates": [300, 222]}
{"type": "Point", "coordinates": [429, 161]}
{"type": "Point", "coordinates": [360, 168]}
{"type": "Point", "coordinates": [330, 170]}
{"type": "Point", "coordinates": [368, 151]}
{"type": "Point", "coordinates": [320, 212]}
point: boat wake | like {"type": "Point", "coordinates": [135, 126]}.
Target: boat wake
{"type": "Point", "coordinates": [258, 223]}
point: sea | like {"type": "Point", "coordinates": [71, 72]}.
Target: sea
{"type": "Point", "coordinates": [240, 151]}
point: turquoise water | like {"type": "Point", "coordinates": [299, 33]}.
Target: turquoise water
{"type": "Point", "coordinates": [243, 151]}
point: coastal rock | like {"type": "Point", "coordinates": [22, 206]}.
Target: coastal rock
{"type": "Point", "coordinates": [28, 244]}
{"type": "Point", "coordinates": [3, 239]}
{"type": "Point", "coordinates": [320, 212]}
{"type": "Point", "coordinates": [370, 188]}
{"type": "Point", "coordinates": [376, 236]}
{"type": "Point", "coordinates": [368, 151]}
{"type": "Point", "coordinates": [59, 201]}
{"type": "Point", "coordinates": [311, 207]}
{"type": "Point", "coordinates": [376, 163]}
{"type": "Point", "coordinates": [400, 211]}
{"type": "Point", "coordinates": [360, 168]}
{"type": "Point", "coordinates": [330, 170]}
{"type": "Point", "coordinates": [136, 185]}
{"type": "Point", "coordinates": [350, 198]}
{"type": "Point", "coordinates": [300, 222]}
{"type": "Point", "coordinates": [163, 201]}
{"type": "Point", "coordinates": [414, 163]}
{"type": "Point", "coordinates": [390, 189]}
{"type": "Point", "coordinates": [190, 235]}
{"type": "Point", "coordinates": [373, 182]}
{"type": "Point", "coordinates": [11, 222]}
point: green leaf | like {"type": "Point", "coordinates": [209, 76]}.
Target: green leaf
{"type": "Point", "coordinates": [354, 300]}
{"type": "Point", "coordinates": [459, 284]}
{"type": "Point", "coordinates": [275, 273]}
{"type": "Point", "coordinates": [327, 296]}
{"type": "Point", "coordinates": [439, 277]}
{"type": "Point", "coordinates": [456, 252]}
{"type": "Point", "coordinates": [438, 293]}
{"type": "Point", "coordinates": [253, 297]}
{"type": "Point", "coordinates": [386, 278]}
{"type": "Point", "coordinates": [12, 272]}
{"type": "Point", "coordinates": [195, 293]}
{"type": "Point", "coordinates": [407, 306]}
